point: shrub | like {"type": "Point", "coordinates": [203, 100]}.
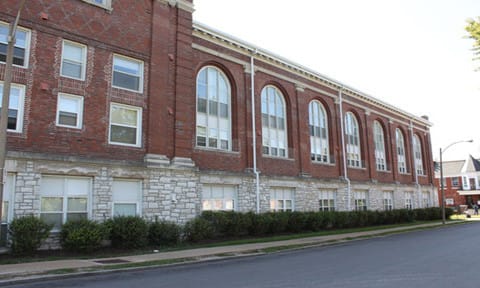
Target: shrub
{"type": "Point", "coordinates": [198, 229]}
{"type": "Point", "coordinates": [27, 234]}
{"type": "Point", "coordinates": [448, 212]}
{"type": "Point", "coordinates": [297, 222]}
{"type": "Point", "coordinates": [82, 236]}
{"type": "Point", "coordinates": [228, 223]}
{"type": "Point", "coordinates": [163, 233]}
{"type": "Point", "coordinates": [259, 224]}
{"type": "Point", "coordinates": [278, 222]}
{"type": "Point", "coordinates": [128, 232]}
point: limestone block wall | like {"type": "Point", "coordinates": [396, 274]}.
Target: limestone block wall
{"type": "Point", "coordinates": [175, 193]}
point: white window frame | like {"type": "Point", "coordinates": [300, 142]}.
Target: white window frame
{"type": "Point", "coordinates": [83, 63]}
{"type": "Point", "coordinates": [8, 198]}
{"type": "Point", "coordinates": [465, 183]}
{"type": "Point", "coordinates": [66, 195]}
{"type": "Point", "coordinates": [318, 127]}
{"type": "Point", "coordinates": [19, 108]}
{"type": "Point", "coordinates": [106, 4]}
{"type": "Point", "coordinates": [137, 198]}
{"type": "Point", "coordinates": [361, 200]}
{"type": "Point", "coordinates": [352, 134]}
{"type": "Point", "coordinates": [139, 75]}
{"type": "Point", "coordinates": [417, 150]}
{"type": "Point", "coordinates": [79, 100]}
{"type": "Point", "coordinates": [387, 200]}
{"type": "Point", "coordinates": [426, 199]}
{"type": "Point", "coordinates": [212, 127]}
{"type": "Point", "coordinates": [215, 195]}
{"type": "Point", "coordinates": [379, 140]}
{"type": "Point", "coordinates": [283, 195]}
{"type": "Point", "coordinates": [401, 157]}
{"type": "Point", "coordinates": [274, 138]}
{"type": "Point", "coordinates": [327, 201]}
{"type": "Point", "coordinates": [408, 200]}
{"type": "Point", "coordinates": [138, 140]}
{"type": "Point", "coordinates": [26, 46]}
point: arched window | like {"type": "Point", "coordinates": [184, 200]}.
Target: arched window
{"type": "Point", "coordinates": [402, 164]}
{"type": "Point", "coordinates": [353, 140]}
{"type": "Point", "coordinates": [318, 125]}
{"type": "Point", "coordinates": [379, 140]}
{"type": "Point", "coordinates": [417, 150]}
{"type": "Point", "coordinates": [274, 124]}
{"type": "Point", "coordinates": [213, 109]}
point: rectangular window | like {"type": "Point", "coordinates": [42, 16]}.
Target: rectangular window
{"type": "Point", "coordinates": [7, 199]}
{"type": "Point", "coordinates": [219, 197]}
{"type": "Point", "coordinates": [327, 200]}
{"type": "Point", "coordinates": [426, 199]}
{"type": "Point", "coordinates": [465, 183]}
{"type": "Point", "coordinates": [125, 125]}
{"type": "Point", "coordinates": [21, 48]}
{"type": "Point", "coordinates": [388, 201]}
{"type": "Point", "coordinates": [455, 182]}
{"type": "Point", "coordinates": [64, 199]}
{"type": "Point", "coordinates": [127, 73]}
{"type": "Point", "coordinates": [15, 107]}
{"type": "Point", "coordinates": [74, 60]}
{"type": "Point", "coordinates": [361, 198]}
{"type": "Point", "coordinates": [127, 197]}
{"type": "Point", "coordinates": [408, 200]}
{"type": "Point", "coordinates": [282, 199]}
{"type": "Point", "coordinates": [69, 110]}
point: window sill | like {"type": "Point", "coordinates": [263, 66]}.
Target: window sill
{"type": "Point", "coordinates": [323, 163]}
{"type": "Point", "coordinates": [107, 7]}
{"type": "Point", "coordinates": [213, 150]}
{"type": "Point", "coordinates": [277, 158]}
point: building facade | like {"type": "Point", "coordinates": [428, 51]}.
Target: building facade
{"type": "Point", "coordinates": [123, 107]}
{"type": "Point", "coordinates": [461, 182]}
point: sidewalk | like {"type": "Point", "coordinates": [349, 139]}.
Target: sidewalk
{"type": "Point", "coordinates": [33, 270]}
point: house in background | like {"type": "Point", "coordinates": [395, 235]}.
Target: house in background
{"type": "Point", "coordinates": [461, 180]}
{"type": "Point", "coordinates": [126, 107]}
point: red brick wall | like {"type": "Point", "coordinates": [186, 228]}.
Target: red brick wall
{"type": "Point", "coordinates": [161, 36]}
{"type": "Point", "coordinates": [104, 34]}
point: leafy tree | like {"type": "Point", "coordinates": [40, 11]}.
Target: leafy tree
{"type": "Point", "coordinates": [473, 28]}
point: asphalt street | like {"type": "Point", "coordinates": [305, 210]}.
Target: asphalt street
{"type": "Point", "coordinates": [442, 257]}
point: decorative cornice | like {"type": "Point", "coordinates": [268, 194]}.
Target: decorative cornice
{"type": "Point", "coordinates": [180, 4]}
{"type": "Point", "coordinates": [245, 48]}
{"type": "Point", "coordinates": [299, 87]}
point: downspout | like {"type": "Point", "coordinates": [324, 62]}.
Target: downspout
{"type": "Point", "coordinates": [254, 130]}
{"type": "Point", "coordinates": [415, 165]}
{"type": "Point", "coordinates": [344, 155]}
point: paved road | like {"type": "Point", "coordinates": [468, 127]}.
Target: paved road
{"type": "Point", "coordinates": [444, 257]}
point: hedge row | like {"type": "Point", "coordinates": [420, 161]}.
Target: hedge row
{"type": "Point", "coordinates": [227, 224]}
{"type": "Point", "coordinates": [130, 232]}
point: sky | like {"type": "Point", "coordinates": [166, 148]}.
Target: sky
{"type": "Point", "coordinates": [412, 54]}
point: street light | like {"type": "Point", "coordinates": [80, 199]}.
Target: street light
{"type": "Point", "coordinates": [441, 175]}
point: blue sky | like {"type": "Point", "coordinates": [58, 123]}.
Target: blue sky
{"type": "Point", "coordinates": [412, 54]}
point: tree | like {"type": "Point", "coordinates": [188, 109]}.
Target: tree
{"type": "Point", "coordinates": [473, 28]}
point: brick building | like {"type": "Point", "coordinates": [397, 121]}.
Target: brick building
{"type": "Point", "coordinates": [123, 107]}
{"type": "Point", "coordinates": [461, 182]}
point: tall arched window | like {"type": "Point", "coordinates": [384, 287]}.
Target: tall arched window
{"type": "Point", "coordinates": [318, 125]}
{"type": "Point", "coordinates": [353, 141]}
{"type": "Point", "coordinates": [417, 150]}
{"type": "Point", "coordinates": [401, 160]}
{"type": "Point", "coordinates": [213, 109]}
{"type": "Point", "coordinates": [274, 124]}
{"type": "Point", "coordinates": [379, 140]}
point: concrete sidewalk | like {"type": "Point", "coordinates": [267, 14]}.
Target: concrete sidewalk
{"type": "Point", "coordinates": [29, 271]}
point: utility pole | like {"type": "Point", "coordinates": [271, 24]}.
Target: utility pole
{"type": "Point", "coordinates": [7, 81]}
